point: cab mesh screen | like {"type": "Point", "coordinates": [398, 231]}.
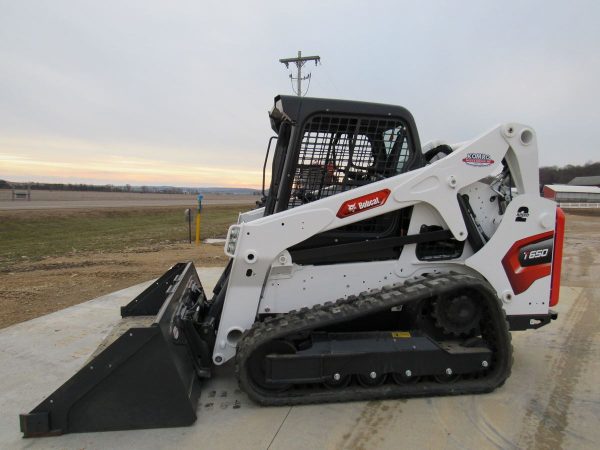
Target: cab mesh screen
{"type": "Point", "coordinates": [339, 153]}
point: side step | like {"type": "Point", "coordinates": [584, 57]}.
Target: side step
{"type": "Point", "coordinates": [142, 376]}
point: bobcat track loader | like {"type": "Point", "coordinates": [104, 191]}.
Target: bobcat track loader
{"type": "Point", "coordinates": [372, 269]}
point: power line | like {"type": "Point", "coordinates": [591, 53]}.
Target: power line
{"type": "Point", "coordinates": [299, 61]}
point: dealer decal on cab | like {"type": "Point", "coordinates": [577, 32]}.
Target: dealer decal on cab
{"type": "Point", "coordinates": [478, 159]}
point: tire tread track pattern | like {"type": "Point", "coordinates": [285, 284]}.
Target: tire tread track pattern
{"type": "Point", "coordinates": [377, 300]}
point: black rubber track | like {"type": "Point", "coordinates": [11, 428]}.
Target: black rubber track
{"type": "Point", "coordinates": [495, 331]}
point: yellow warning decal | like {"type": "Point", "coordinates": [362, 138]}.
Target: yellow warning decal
{"type": "Point", "coordinates": [400, 334]}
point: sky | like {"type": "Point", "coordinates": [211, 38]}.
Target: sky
{"type": "Point", "coordinates": [177, 92]}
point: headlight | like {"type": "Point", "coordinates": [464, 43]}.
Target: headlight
{"type": "Point", "coordinates": [231, 242]}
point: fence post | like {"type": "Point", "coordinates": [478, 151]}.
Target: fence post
{"type": "Point", "coordinates": [200, 197]}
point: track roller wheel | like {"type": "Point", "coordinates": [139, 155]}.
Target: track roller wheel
{"type": "Point", "coordinates": [405, 378]}
{"type": "Point", "coordinates": [371, 379]}
{"type": "Point", "coordinates": [341, 382]}
{"type": "Point", "coordinates": [257, 364]}
{"type": "Point", "coordinates": [447, 378]}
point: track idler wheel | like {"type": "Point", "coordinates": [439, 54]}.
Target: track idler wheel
{"type": "Point", "coordinates": [257, 364]}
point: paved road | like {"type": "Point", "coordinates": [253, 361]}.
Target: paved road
{"type": "Point", "coordinates": [92, 204]}
{"type": "Point", "coordinates": [551, 401]}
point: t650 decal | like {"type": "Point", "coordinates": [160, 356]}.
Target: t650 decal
{"type": "Point", "coordinates": [528, 260]}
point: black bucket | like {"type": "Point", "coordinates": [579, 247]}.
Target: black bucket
{"type": "Point", "coordinates": [144, 375]}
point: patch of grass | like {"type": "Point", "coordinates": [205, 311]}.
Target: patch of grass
{"type": "Point", "coordinates": [34, 236]}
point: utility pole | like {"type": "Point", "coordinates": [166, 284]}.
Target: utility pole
{"type": "Point", "coordinates": [300, 61]}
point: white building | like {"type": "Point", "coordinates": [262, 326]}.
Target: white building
{"type": "Point", "coordinates": [563, 193]}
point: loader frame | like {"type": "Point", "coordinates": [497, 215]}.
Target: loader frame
{"type": "Point", "coordinates": [259, 247]}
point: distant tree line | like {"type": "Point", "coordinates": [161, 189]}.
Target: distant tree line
{"type": "Point", "coordinates": [64, 186]}
{"type": "Point", "coordinates": [562, 175]}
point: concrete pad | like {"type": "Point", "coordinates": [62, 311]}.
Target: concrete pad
{"type": "Point", "coordinates": [214, 241]}
{"type": "Point", "coordinates": [552, 399]}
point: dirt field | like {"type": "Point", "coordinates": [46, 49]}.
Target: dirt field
{"type": "Point", "coordinates": [53, 259]}
{"type": "Point", "coordinates": [39, 282]}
